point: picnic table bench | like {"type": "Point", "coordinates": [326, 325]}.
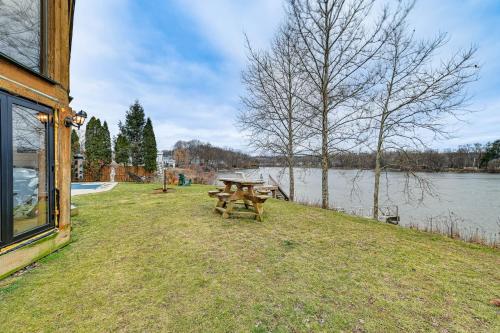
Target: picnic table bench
{"type": "Point", "coordinates": [267, 189]}
{"type": "Point", "coordinates": [243, 194]}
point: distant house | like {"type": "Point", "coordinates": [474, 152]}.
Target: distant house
{"type": "Point", "coordinates": [195, 161]}
{"type": "Point", "coordinates": [35, 125]}
{"type": "Point", "coordinates": [164, 160]}
{"type": "Point", "coordinates": [169, 163]}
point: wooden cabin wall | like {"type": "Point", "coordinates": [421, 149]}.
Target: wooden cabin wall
{"type": "Point", "coordinates": [54, 93]}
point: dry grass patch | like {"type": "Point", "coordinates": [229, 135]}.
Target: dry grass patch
{"type": "Point", "coordinates": [146, 262]}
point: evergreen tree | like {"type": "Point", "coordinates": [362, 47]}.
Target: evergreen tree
{"type": "Point", "coordinates": [90, 133]}
{"type": "Point", "coordinates": [75, 143]}
{"type": "Point", "coordinates": [91, 150]}
{"type": "Point", "coordinates": [97, 144]}
{"type": "Point", "coordinates": [134, 131]}
{"type": "Point", "coordinates": [106, 144]}
{"type": "Point", "coordinates": [149, 146]}
{"type": "Point", "coordinates": [121, 149]}
{"type": "Point", "coordinates": [97, 147]}
{"type": "Point", "coordinates": [492, 152]}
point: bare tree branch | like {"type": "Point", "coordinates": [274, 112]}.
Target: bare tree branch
{"type": "Point", "coordinates": [416, 98]}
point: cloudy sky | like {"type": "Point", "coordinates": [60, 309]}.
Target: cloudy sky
{"type": "Point", "coordinates": [182, 60]}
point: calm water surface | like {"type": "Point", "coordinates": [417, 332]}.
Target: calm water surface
{"type": "Point", "coordinates": [473, 200]}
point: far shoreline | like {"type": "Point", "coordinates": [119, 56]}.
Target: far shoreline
{"type": "Point", "coordinates": [457, 171]}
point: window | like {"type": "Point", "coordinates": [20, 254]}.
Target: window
{"type": "Point", "coordinates": [26, 169]}
{"type": "Point", "coordinates": [23, 27]}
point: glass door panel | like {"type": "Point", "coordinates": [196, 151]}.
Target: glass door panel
{"type": "Point", "coordinates": [29, 174]}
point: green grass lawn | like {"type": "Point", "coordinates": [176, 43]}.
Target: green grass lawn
{"type": "Point", "coordinates": [166, 262]}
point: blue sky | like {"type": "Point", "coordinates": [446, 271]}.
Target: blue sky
{"type": "Point", "coordinates": [183, 58]}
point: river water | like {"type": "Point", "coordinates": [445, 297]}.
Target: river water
{"type": "Point", "coordinates": [471, 200]}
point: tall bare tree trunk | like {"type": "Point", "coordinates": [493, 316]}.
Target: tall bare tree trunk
{"type": "Point", "coordinates": [291, 176]}
{"type": "Point", "coordinates": [339, 44]}
{"type": "Point", "coordinates": [326, 108]}
{"type": "Point", "coordinates": [378, 155]}
{"type": "Point", "coordinates": [290, 157]}
{"type": "Point", "coordinates": [324, 163]}
{"type": "Point", "coordinates": [376, 187]}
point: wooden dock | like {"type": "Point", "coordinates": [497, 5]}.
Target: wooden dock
{"type": "Point", "coordinates": [280, 193]}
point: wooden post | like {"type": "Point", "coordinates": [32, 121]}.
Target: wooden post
{"type": "Point", "coordinates": [165, 180]}
{"type": "Point", "coordinates": [64, 171]}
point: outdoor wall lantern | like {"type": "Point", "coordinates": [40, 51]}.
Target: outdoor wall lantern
{"type": "Point", "coordinates": [43, 117]}
{"type": "Point", "coordinates": [77, 120]}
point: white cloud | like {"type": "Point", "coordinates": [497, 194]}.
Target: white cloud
{"type": "Point", "coordinates": [224, 22]}
{"type": "Point", "coordinates": [190, 98]}
{"type": "Point", "coordinates": [470, 22]}
{"type": "Point", "coordinates": [110, 70]}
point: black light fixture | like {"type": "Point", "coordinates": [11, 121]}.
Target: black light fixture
{"type": "Point", "coordinates": [77, 120]}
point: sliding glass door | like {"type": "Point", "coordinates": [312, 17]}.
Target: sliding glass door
{"type": "Point", "coordinates": [26, 169]}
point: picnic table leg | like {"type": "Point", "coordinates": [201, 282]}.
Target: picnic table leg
{"type": "Point", "coordinates": [240, 195]}
{"type": "Point", "coordinates": [229, 209]}
{"type": "Point", "coordinates": [259, 210]}
{"type": "Point", "coordinates": [220, 203]}
{"type": "Point", "coordinates": [227, 189]}
{"type": "Point", "coordinates": [250, 192]}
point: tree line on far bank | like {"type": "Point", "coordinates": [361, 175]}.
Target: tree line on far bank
{"type": "Point", "coordinates": [347, 76]}
{"type": "Point", "coordinates": [134, 145]}
{"type": "Point", "coordinates": [470, 157]}
{"type": "Point", "coordinates": [195, 152]}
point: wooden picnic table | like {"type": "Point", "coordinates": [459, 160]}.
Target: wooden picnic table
{"type": "Point", "coordinates": [244, 192]}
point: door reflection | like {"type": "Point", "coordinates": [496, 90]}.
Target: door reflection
{"type": "Point", "coordinates": [29, 134]}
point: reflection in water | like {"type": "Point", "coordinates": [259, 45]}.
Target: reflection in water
{"type": "Point", "coordinates": [473, 199]}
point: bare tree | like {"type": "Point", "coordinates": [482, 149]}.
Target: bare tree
{"type": "Point", "coordinates": [197, 153]}
{"type": "Point", "coordinates": [20, 31]}
{"type": "Point", "coordinates": [340, 39]}
{"type": "Point", "coordinates": [273, 111]}
{"type": "Point", "coordinates": [417, 98]}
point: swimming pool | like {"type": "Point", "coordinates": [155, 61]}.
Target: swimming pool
{"type": "Point", "coordinates": [80, 186]}
{"type": "Point", "coordinates": [89, 188]}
